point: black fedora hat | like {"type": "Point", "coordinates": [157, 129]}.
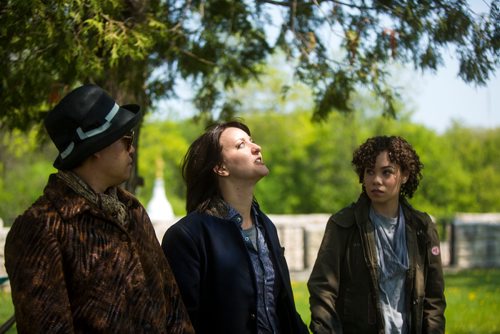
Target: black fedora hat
{"type": "Point", "coordinates": [85, 121]}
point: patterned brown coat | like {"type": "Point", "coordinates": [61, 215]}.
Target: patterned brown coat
{"type": "Point", "coordinates": [74, 270]}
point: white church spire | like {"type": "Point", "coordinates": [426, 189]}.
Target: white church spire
{"type": "Point", "coordinates": [159, 209]}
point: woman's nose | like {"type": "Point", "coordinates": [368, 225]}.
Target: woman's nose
{"type": "Point", "coordinates": [256, 148]}
{"type": "Point", "coordinates": [377, 179]}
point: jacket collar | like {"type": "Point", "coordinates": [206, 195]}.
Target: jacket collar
{"type": "Point", "coordinates": [70, 204]}
{"type": "Point", "coordinates": [364, 202]}
{"type": "Point", "coordinates": [221, 209]}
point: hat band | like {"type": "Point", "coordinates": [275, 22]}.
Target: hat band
{"type": "Point", "coordinates": [91, 133]}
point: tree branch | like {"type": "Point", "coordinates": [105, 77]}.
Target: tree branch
{"type": "Point", "coordinates": [201, 60]}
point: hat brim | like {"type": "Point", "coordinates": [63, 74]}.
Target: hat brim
{"type": "Point", "coordinates": [126, 119]}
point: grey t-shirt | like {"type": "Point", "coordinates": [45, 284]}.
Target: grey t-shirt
{"type": "Point", "coordinates": [392, 256]}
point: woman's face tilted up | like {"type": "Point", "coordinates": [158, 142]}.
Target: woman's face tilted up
{"type": "Point", "coordinates": [241, 157]}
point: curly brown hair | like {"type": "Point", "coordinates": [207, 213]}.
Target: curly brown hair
{"type": "Point", "coordinates": [400, 152]}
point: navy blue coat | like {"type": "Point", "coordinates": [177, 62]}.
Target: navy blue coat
{"type": "Point", "coordinates": [216, 277]}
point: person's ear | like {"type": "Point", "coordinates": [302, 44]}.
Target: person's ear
{"type": "Point", "coordinates": [220, 170]}
{"type": "Point", "coordinates": [405, 176]}
{"type": "Point", "coordinates": [96, 155]}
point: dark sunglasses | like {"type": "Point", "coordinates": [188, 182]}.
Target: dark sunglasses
{"type": "Point", "coordinates": [128, 139]}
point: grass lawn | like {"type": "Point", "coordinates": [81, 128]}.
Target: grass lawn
{"type": "Point", "coordinates": [473, 298]}
{"type": "Point", "coordinates": [6, 309]}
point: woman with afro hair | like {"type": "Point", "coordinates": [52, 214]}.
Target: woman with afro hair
{"type": "Point", "coordinates": [379, 268]}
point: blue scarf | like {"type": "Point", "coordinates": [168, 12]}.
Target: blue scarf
{"type": "Point", "coordinates": [392, 254]}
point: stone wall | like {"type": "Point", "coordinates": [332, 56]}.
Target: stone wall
{"type": "Point", "coordinates": [475, 240]}
{"type": "Point", "coordinates": [301, 237]}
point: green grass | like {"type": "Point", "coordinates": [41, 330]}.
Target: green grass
{"type": "Point", "coordinates": [301, 296]}
{"type": "Point", "coordinates": [6, 309]}
{"type": "Point", "coordinates": [473, 298]}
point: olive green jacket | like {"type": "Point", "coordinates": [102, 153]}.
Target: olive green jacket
{"type": "Point", "coordinates": [343, 286]}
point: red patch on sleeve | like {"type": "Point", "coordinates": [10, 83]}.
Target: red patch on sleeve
{"type": "Point", "coordinates": [435, 250]}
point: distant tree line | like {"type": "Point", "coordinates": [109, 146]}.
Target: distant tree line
{"type": "Point", "coordinates": [309, 163]}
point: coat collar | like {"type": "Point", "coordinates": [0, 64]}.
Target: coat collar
{"type": "Point", "coordinates": [362, 209]}
{"type": "Point", "coordinates": [69, 204]}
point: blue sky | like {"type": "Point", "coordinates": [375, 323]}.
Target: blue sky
{"type": "Point", "coordinates": [443, 97]}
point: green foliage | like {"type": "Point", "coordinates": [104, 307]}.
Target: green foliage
{"type": "Point", "coordinates": [25, 162]}
{"type": "Point", "coordinates": [138, 50]}
{"type": "Point", "coordinates": [309, 162]}
{"type": "Point", "coordinates": [310, 168]}
{"type": "Point", "coordinates": [162, 147]}
{"type": "Point", "coordinates": [306, 156]}
{"type": "Point", "coordinates": [478, 150]}
{"type": "Point", "coordinates": [48, 47]}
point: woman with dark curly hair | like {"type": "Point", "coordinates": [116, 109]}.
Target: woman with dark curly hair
{"type": "Point", "coordinates": [379, 265]}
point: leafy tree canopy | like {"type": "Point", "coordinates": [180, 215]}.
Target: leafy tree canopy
{"type": "Point", "coordinates": [137, 50]}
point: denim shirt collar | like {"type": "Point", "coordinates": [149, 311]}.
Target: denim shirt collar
{"type": "Point", "coordinates": [234, 216]}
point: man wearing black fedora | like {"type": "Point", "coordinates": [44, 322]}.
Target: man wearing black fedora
{"type": "Point", "coordinates": [84, 257]}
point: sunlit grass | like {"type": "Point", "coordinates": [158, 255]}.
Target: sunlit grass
{"type": "Point", "coordinates": [6, 309]}
{"type": "Point", "coordinates": [301, 296]}
{"type": "Point", "coordinates": [473, 299]}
